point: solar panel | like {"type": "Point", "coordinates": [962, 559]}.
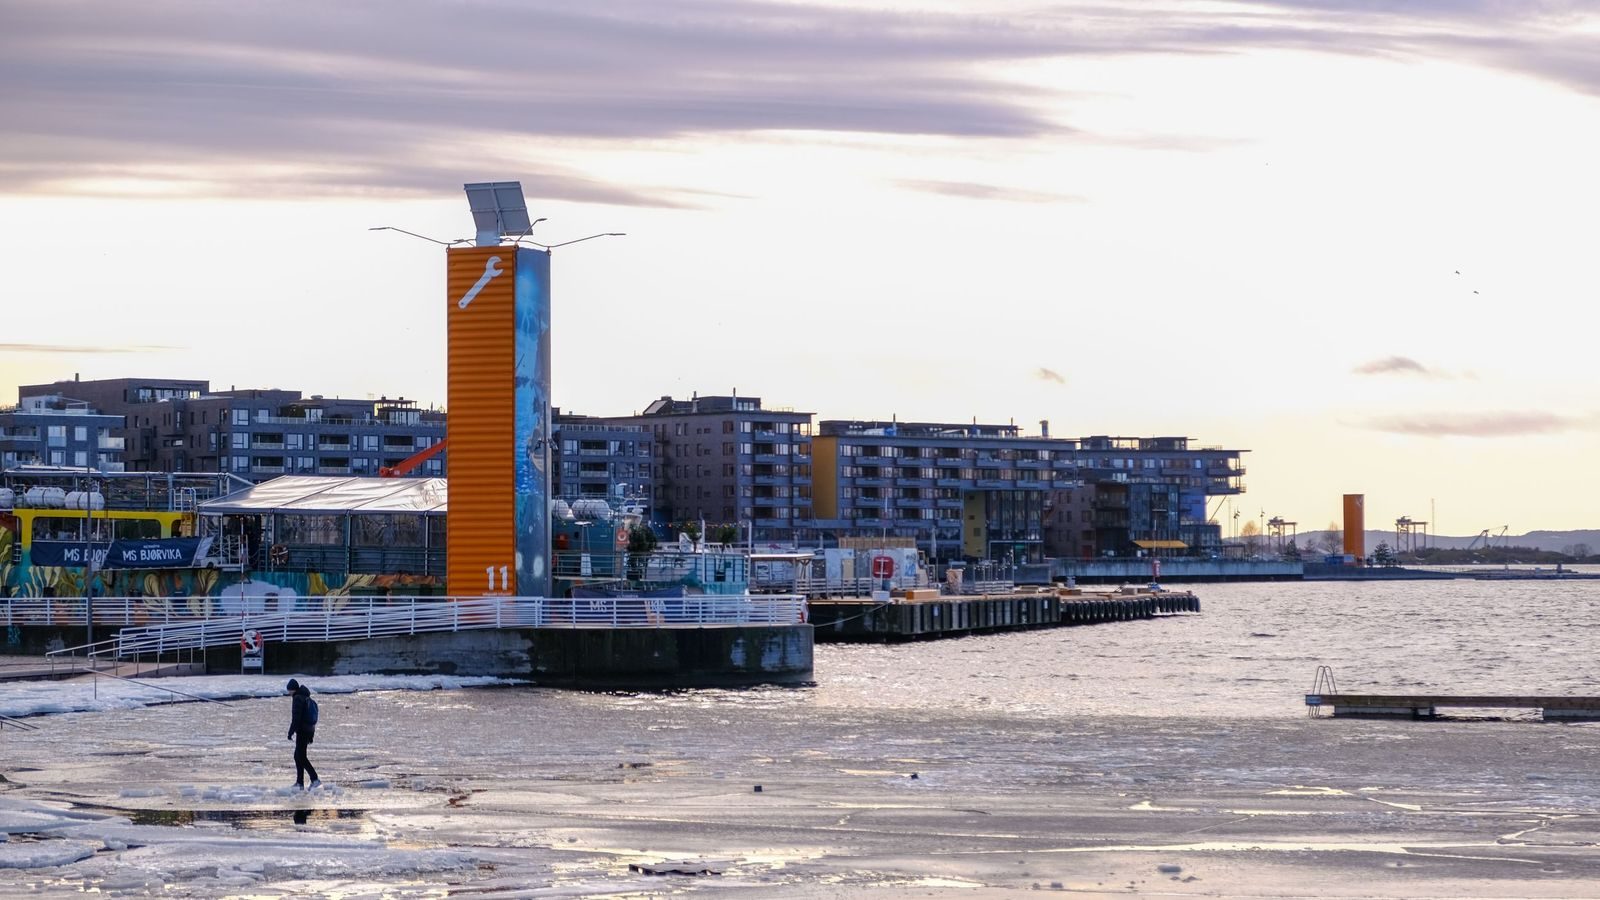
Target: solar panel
{"type": "Point", "coordinates": [498, 210]}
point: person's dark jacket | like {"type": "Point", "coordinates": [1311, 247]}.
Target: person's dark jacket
{"type": "Point", "coordinates": [300, 715]}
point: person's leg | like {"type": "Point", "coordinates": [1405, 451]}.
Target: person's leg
{"type": "Point", "coordinates": [301, 761]}
{"type": "Point", "coordinates": [302, 765]}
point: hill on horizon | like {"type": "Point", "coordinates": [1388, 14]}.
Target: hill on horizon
{"type": "Point", "coordinates": [1554, 541]}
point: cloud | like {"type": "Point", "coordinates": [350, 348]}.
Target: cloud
{"type": "Point", "coordinates": [974, 191]}
{"type": "Point", "coordinates": [76, 349]}
{"type": "Point", "coordinates": [1044, 374]}
{"type": "Point", "coordinates": [1397, 365]}
{"type": "Point", "coordinates": [312, 98]}
{"type": "Point", "coordinates": [1486, 424]}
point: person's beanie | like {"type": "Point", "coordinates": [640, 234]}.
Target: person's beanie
{"type": "Point", "coordinates": [293, 685]}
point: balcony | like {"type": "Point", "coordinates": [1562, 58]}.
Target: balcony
{"type": "Point", "coordinates": [267, 470]}
{"type": "Point", "coordinates": [871, 482]}
{"type": "Point", "coordinates": [770, 458]}
{"type": "Point", "coordinates": [951, 482]}
{"type": "Point", "coordinates": [112, 443]}
{"type": "Point", "coordinates": [913, 502]}
{"type": "Point", "coordinates": [266, 445]}
{"type": "Point", "coordinates": [333, 470]}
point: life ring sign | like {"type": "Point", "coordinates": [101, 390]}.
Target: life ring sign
{"type": "Point", "coordinates": [622, 535]}
{"type": "Point", "coordinates": [883, 567]}
{"type": "Point", "coordinates": [279, 554]}
{"type": "Point", "coordinates": [252, 651]}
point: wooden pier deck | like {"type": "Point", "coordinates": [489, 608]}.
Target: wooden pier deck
{"type": "Point", "coordinates": [1424, 706]}
{"type": "Point", "coordinates": [858, 619]}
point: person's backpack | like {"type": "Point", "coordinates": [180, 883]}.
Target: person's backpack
{"type": "Point", "coordinates": [311, 712]}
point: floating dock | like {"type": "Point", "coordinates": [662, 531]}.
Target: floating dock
{"type": "Point", "coordinates": [917, 618]}
{"type": "Point", "coordinates": [1426, 706]}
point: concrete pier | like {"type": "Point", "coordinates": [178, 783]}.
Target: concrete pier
{"type": "Point", "coordinates": [585, 658]}
{"type": "Point", "coordinates": [575, 657]}
{"type": "Point", "coordinates": [866, 619]}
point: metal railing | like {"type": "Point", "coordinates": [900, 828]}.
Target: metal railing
{"type": "Point", "coordinates": [359, 618]}
{"type": "Point", "coordinates": [517, 612]}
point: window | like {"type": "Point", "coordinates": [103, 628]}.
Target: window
{"type": "Point", "coordinates": [307, 529]}
{"type": "Point", "coordinates": [369, 442]}
{"type": "Point", "coordinates": [241, 440]}
{"type": "Point", "coordinates": [293, 441]}
{"type": "Point", "coordinates": [261, 414]}
{"type": "Point", "coordinates": [241, 463]}
{"type": "Point", "coordinates": [241, 417]}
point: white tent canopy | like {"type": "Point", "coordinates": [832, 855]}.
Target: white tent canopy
{"type": "Point", "coordinates": [321, 494]}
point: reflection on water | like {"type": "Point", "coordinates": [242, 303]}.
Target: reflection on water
{"type": "Point", "coordinates": [238, 818]}
{"type": "Point", "coordinates": [1251, 653]}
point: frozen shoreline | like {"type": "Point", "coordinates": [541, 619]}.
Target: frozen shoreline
{"type": "Point", "coordinates": [88, 693]}
{"type": "Point", "coordinates": [526, 792]}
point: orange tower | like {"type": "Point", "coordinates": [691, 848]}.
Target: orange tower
{"type": "Point", "coordinates": [497, 308]}
{"type": "Point", "coordinates": [1355, 525]}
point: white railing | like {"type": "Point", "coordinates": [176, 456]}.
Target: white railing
{"type": "Point", "coordinates": [179, 627]}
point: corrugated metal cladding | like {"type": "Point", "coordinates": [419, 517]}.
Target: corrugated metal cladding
{"type": "Point", "coordinates": [1355, 525]}
{"type": "Point", "coordinates": [481, 311]}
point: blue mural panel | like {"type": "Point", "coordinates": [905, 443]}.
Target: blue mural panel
{"type": "Point", "coordinates": [532, 416]}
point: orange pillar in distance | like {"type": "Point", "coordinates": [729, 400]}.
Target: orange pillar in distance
{"type": "Point", "coordinates": [1355, 526]}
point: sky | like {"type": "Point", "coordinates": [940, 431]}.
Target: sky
{"type": "Point", "coordinates": [1352, 237]}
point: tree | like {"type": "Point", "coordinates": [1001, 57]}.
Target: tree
{"type": "Point", "coordinates": [1333, 539]}
{"type": "Point", "coordinates": [725, 534]}
{"type": "Point", "coordinates": [1291, 551]}
{"type": "Point", "coordinates": [1251, 532]}
{"type": "Point", "coordinates": [1383, 556]}
{"type": "Point", "coordinates": [641, 539]}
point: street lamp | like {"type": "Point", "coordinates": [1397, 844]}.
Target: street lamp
{"type": "Point", "coordinates": [423, 236]}
{"type": "Point", "coordinates": [574, 240]}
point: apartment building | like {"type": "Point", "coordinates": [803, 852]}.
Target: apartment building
{"type": "Point", "coordinates": [730, 461]}
{"type": "Point", "coordinates": [990, 492]}
{"type": "Point", "coordinates": [55, 430]}
{"type": "Point", "coordinates": [593, 457]}
{"type": "Point", "coordinates": [180, 425]}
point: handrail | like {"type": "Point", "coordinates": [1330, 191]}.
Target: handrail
{"type": "Point", "coordinates": [73, 651]}
{"type": "Point", "coordinates": [25, 726]}
{"type": "Point", "coordinates": [463, 614]}
{"type": "Point", "coordinates": [167, 689]}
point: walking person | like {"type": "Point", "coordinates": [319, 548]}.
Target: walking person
{"type": "Point", "coordinates": [302, 730]}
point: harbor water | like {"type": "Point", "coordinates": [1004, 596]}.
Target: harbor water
{"type": "Point", "coordinates": [1164, 757]}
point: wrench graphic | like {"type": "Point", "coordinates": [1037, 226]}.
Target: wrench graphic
{"type": "Point", "coordinates": [490, 270]}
